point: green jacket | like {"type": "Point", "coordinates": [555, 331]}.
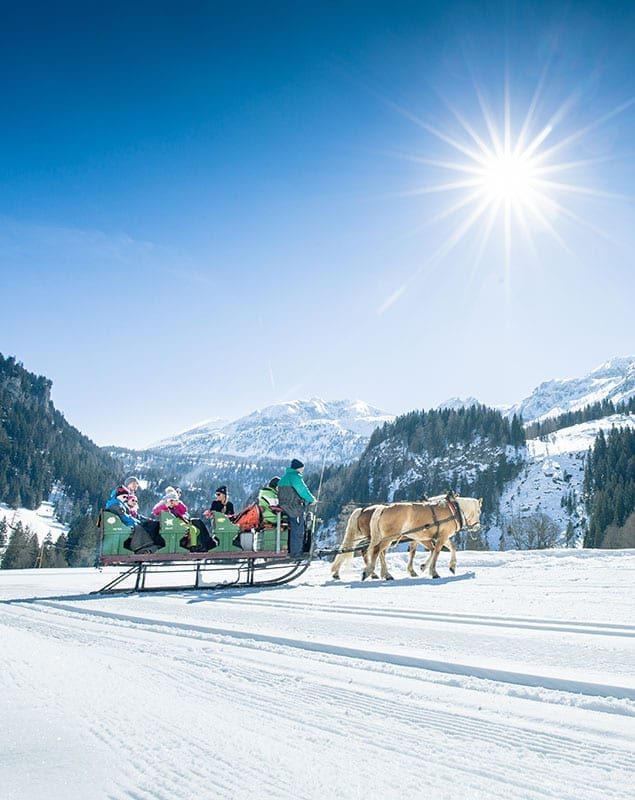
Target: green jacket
{"type": "Point", "coordinates": [293, 493]}
{"type": "Point", "coordinates": [268, 497]}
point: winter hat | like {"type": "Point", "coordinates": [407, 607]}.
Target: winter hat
{"type": "Point", "coordinates": [221, 490]}
{"type": "Point", "coordinates": [129, 480]}
{"type": "Point", "coordinates": [296, 464]}
{"type": "Point", "coordinates": [273, 482]}
{"type": "Point", "coordinates": [170, 493]}
{"type": "Point", "coordinates": [132, 498]}
{"type": "Point", "coordinates": [122, 491]}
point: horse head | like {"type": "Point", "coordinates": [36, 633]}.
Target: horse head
{"type": "Point", "coordinates": [471, 510]}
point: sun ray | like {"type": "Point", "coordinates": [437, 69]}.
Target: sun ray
{"type": "Point", "coordinates": [581, 132]}
{"type": "Point", "coordinates": [531, 110]}
{"type": "Point", "coordinates": [575, 189]}
{"type": "Point", "coordinates": [469, 129]}
{"type": "Point", "coordinates": [508, 178]}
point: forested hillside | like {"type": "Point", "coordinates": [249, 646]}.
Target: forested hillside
{"type": "Point", "coordinates": [38, 447]}
{"type": "Point", "coordinates": [197, 476]}
{"type": "Point", "coordinates": [474, 451]}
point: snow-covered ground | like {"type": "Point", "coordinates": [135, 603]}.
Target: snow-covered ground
{"type": "Point", "coordinates": [41, 521]}
{"type": "Point", "coordinates": [513, 679]}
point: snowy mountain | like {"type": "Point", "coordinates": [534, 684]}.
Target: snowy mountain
{"type": "Point", "coordinates": [308, 429]}
{"type": "Point", "coordinates": [455, 403]}
{"type": "Point", "coordinates": [613, 380]}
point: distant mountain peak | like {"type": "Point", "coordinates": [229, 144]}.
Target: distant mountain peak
{"type": "Point", "coordinates": [613, 380]}
{"type": "Point", "coordinates": [454, 403]}
{"type": "Point", "coordinates": [313, 429]}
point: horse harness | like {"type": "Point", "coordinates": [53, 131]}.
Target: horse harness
{"type": "Point", "coordinates": [456, 516]}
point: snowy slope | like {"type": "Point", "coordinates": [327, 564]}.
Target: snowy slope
{"type": "Point", "coordinates": [554, 468]}
{"type": "Point", "coordinates": [41, 521]}
{"type": "Point", "coordinates": [514, 679]}
{"type": "Point", "coordinates": [338, 430]}
{"type": "Point", "coordinates": [613, 380]}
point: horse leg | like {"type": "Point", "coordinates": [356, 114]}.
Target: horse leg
{"type": "Point", "coordinates": [450, 546]}
{"type": "Point", "coordinates": [412, 549]}
{"type": "Point", "coordinates": [350, 534]}
{"type": "Point", "coordinates": [365, 557]}
{"type": "Point", "coordinates": [384, 566]}
{"type": "Point", "coordinates": [375, 544]}
{"type": "Point", "coordinates": [429, 545]}
{"type": "Point", "coordinates": [438, 546]}
{"type": "Point", "coordinates": [370, 560]}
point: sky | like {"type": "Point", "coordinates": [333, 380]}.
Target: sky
{"type": "Point", "coordinates": [207, 208]}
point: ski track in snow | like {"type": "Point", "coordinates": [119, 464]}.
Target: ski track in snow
{"type": "Point", "coordinates": [295, 693]}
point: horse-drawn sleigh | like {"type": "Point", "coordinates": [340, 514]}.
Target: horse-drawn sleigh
{"type": "Point", "coordinates": [233, 554]}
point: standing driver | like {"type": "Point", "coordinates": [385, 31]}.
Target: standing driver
{"type": "Point", "coordinates": [294, 496]}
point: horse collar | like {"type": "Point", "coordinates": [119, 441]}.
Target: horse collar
{"type": "Point", "coordinates": [455, 508]}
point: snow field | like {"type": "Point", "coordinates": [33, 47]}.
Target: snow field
{"type": "Point", "coordinates": [514, 679]}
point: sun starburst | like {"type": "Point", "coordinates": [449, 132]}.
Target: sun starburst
{"type": "Point", "coordinates": [505, 177]}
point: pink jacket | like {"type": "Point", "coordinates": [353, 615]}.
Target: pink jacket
{"type": "Point", "coordinates": [179, 510]}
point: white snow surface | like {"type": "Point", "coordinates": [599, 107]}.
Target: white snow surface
{"type": "Point", "coordinates": [513, 679]}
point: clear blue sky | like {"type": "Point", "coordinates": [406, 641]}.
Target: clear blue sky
{"type": "Point", "coordinates": [206, 208]}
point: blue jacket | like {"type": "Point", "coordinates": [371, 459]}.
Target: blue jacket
{"type": "Point", "coordinates": [119, 508]}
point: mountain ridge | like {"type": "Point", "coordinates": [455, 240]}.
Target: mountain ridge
{"type": "Point", "coordinates": [335, 430]}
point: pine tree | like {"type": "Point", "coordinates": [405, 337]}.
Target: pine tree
{"type": "Point", "coordinates": [19, 553]}
{"type": "Point", "coordinates": [82, 542]}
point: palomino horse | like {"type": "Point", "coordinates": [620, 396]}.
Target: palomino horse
{"type": "Point", "coordinates": [431, 524]}
{"type": "Point", "coordinates": [357, 532]}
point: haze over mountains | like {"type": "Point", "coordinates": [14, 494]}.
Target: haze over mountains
{"type": "Point", "coordinates": [339, 430]}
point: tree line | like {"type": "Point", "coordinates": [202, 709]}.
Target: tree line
{"type": "Point", "coordinates": [609, 489]}
{"type": "Point", "coordinates": [599, 410]}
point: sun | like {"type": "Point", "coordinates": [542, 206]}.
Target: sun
{"type": "Point", "coordinates": [510, 178]}
{"type": "Point", "coordinates": [504, 174]}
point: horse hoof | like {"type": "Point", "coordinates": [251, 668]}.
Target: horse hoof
{"type": "Point", "coordinates": [453, 570]}
{"type": "Point", "coordinates": [389, 578]}
{"type": "Point", "coordinates": [364, 575]}
{"type": "Point", "coordinates": [335, 577]}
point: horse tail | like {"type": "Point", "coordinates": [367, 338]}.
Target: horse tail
{"type": "Point", "coordinates": [375, 531]}
{"type": "Point", "coordinates": [350, 536]}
